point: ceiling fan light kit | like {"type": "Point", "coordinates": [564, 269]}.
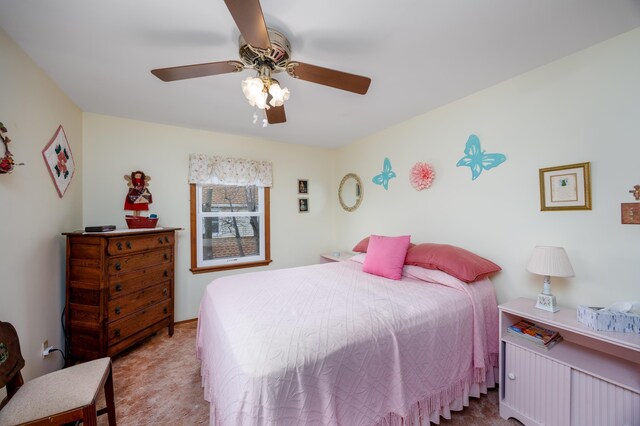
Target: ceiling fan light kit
{"type": "Point", "coordinates": [266, 51]}
{"type": "Point", "coordinates": [263, 91]}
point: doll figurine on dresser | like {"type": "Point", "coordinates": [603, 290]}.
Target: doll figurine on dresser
{"type": "Point", "coordinates": [138, 197]}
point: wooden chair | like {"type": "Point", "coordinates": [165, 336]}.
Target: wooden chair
{"type": "Point", "coordinates": [56, 398]}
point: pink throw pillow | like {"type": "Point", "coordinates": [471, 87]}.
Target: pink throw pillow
{"type": "Point", "coordinates": [361, 247]}
{"type": "Point", "coordinates": [455, 261]}
{"type": "Point", "coordinates": [385, 256]}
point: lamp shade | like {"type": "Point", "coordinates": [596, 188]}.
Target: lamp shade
{"type": "Point", "coordinates": [550, 261]}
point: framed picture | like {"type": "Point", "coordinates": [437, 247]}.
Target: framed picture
{"type": "Point", "coordinates": [565, 187]}
{"type": "Point", "coordinates": [59, 161]}
{"type": "Point", "coordinates": [303, 205]}
{"type": "Point", "coordinates": [303, 186]}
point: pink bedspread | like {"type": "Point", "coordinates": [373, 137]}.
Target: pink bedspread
{"type": "Point", "coordinates": [330, 345]}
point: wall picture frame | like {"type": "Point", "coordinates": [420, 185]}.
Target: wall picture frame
{"type": "Point", "coordinates": [303, 186]}
{"type": "Point", "coordinates": [565, 187]}
{"type": "Point", "coordinates": [59, 161]}
{"type": "Point", "coordinates": [303, 205]}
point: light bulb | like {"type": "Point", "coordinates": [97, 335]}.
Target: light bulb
{"type": "Point", "coordinates": [253, 90]}
{"type": "Point", "coordinates": [278, 94]}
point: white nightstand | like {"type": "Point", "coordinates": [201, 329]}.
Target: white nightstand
{"type": "Point", "coordinates": [336, 256]}
{"type": "Point", "coordinates": [591, 378]}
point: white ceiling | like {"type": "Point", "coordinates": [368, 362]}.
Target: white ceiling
{"type": "Point", "coordinates": [420, 54]}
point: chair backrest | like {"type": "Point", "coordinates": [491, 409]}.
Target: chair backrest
{"type": "Point", "coordinates": [11, 360]}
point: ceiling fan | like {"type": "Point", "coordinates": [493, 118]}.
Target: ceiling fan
{"type": "Point", "coordinates": [268, 52]}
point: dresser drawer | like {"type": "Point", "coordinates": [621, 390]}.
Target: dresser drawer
{"type": "Point", "coordinates": [121, 329]}
{"type": "Point", "coordinates": [137, 243]}
{"type": "Point", "coordinates": [121, 307]}
{"type": "Point", "coordinates": [124, 284]}
{"type": "Point", "coordinates": [124, 264]}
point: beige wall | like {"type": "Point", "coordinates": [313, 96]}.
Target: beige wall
{"type": "Point", "coordinates": [115, 147]}
{"type": "Point", "coordinates": [32, 216]}
{"type": "Point", "coordinates": [583, 108]}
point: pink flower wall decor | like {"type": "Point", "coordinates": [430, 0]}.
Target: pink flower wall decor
{"type": "Point", "coordinates": [421, 176]}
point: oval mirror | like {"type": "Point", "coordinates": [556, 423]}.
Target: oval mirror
{"type": "Point", "coordinates": [350, 192]}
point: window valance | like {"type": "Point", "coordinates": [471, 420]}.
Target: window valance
{"type": "Point", "coordinates": [217, 170]}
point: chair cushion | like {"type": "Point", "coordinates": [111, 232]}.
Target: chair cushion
{"type": "Point", "coordinates": [56, 392]}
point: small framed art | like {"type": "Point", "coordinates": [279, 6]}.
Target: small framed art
{"type": "Point", "coordinates": [630, 213]}
{"type": "Point", "coordinates": [303, 186]}
{"type": "Point", "coordinates": [565, 187]}
{"type": "Point", "coordinates": [59, 161]}
{"type": "Point", "coordinates": [303, 205]}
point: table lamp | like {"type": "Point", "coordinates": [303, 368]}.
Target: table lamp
{"type": "Point", "coordinates": [549, 262]}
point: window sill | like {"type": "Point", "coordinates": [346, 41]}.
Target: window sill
{"type": "Point", "coordinates": [206, 269]}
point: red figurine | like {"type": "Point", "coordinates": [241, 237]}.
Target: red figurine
{"type": "Point", "coordinates": [138, 197]}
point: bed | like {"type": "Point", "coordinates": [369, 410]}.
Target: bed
{"type": "Point", "coordinates": [331, 345]}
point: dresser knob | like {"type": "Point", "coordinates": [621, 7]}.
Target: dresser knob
{"type": "Point", "coordinates": [166, 239]}
{"type": "Point", "coordinates": [166, 273]}
{"type": "Point", "coordinates": [511, 376]}
{"type": "Point", "coordinates": [165, 291]}
{"type": "Point", "coordinates": [128, 244]}
{"type": "Point", "coordinates": [119, 245]}
{"type": "Point", "coordinates": [118, 266]}
{"type": "Point", "coordinates": [166, 256]}
{"type": "Point", "coordinates": [160, 240]}
{"type": "Point", "coordinates": [118, 287]}
{"type": "Point", "coordinates": [165, 310]}
{"type": "Point", "coordinates": [117, 310]}
{"type": "Point", "coordinates": [117, 333]}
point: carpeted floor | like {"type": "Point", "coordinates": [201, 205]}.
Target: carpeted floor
{"type": "Point", "coordinates": [157, 382]}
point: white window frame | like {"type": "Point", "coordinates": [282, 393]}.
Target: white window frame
{"type": "Point", "coordinates": [231, 262]}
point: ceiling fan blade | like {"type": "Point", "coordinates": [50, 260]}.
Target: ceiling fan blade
{"type": "Point", "coordinates": [197, 70]}
{"type": "Point", "coordinates": [328, 77]}
{"type": "Point", "coordinates": [276, 115]}
{"type": "Point", "coordinates": [250, 21]}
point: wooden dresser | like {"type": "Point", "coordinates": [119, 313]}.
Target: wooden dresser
{"type": "Point", "coordinates": [119, 289]}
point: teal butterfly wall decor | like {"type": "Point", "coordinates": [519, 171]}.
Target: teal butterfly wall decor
{"type": "Point", "coordinates": [384, 177]}
{"type": "Point", "coordinates": [477, 160]}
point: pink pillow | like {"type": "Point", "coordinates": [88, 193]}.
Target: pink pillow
{"type": "Point", "coordinates": [455, 261]}
{"type": "Point", "coordinates": [385, 256]}
{"type": "Point", "coordinates": [361, 247]}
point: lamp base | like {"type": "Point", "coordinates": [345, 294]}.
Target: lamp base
{"type": "Point", "coordinates": [547, 302]}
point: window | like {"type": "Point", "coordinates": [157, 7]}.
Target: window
{"type": "Point", "coordinates": [229, 227]}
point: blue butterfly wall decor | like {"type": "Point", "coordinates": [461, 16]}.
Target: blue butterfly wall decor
{"type": "Point", "coordinates": [477, 160]}
{"type": "Point", "coordinates": [387, 173]}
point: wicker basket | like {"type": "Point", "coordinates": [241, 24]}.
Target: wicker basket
{"type": "Point", "coordinates": [136, 222]}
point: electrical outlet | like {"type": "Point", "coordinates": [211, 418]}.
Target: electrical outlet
{"type": "Point", "coordinates": [45, 345]}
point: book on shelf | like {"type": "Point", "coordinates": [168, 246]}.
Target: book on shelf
{"type": "Point", "coordinates": [542, 337]}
